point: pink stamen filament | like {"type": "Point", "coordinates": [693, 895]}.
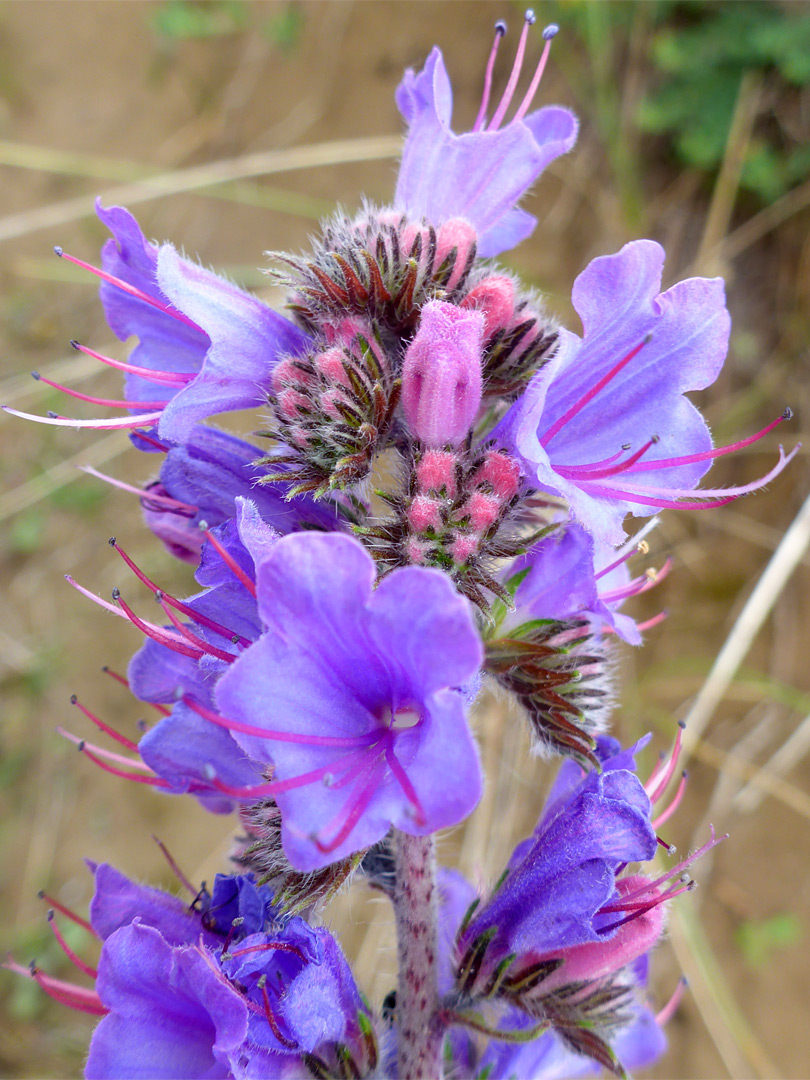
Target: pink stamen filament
{"type": "Point", "coordinates": [108, 755]}
{"type": "Point", "coordinates": [647, 907]}
{"type": "Point", "coordinates": [514, 75]}
{"type": "Point", "coordinates": [106, 728]}
{"type": "Point", "coordinates": [291, 1044]}
{"type": "Point", "coordinates": [109, 403]}
{"type": "Point", "coordinates": [638, 585]}
{"type": "Point", "coordinates": [668, 1011]}
{"type": "Point", "coordinates": [579, 405]}
{"type": "Point", "coordinates": [99, 425]}
{"type": "Point", "coordinates": [538, 75]}
{"type": "Point", "coordinates": [229, 561]}
{"type": "Point", "coordinates": [352, 741]}
{"type": "Point", "coordinates": [674, 871]}
{"type": "Point", "coordinates": [500, 31]}
{"type": "Point", "coordinates": [156, 633]}
{"type": "Point", "coordinates": [162, 709]}
{"type": "Point", "coordinates": [700, 498]}
{"type": "Point", "coordinates": [154, 781]}
{"type": "Point", "coordinates": [591, 472]}
{"type": "Point", "coordinates": [708, 455]}
{"type": "Point", "coordinates": [52, 903]}
{"type": "Point", "coordinates": [131, 289]}
{"type": "Point", "coordinates": [668, 771]}
{"type": "Point", "coordinates": [673, 806]}
{"type": "Point", "coordinates": [352, 810]}
{"type": "Point", "coordinates": [197, 616]}
{"type": "Point", "coordinates": [273, 787]}
{"type": "Point", "coordinates": [152, 442]}
{"type": "Point", "coordinates": [407, 787]}
{"type": "Point", "coordinates": [75, 997]}
{"type": "Point", "coordinates": [167, 378]}
{"type": "Point", "coordinates": [270, 946]}
{"type": "Point", "coordinates": [178, 873]}
{"type": "Point", "coordinates": [143, 493]}
{"type": "Point", "coordinates": [199, 642]}
{"type": "Point", "coordinates": [69, 953]}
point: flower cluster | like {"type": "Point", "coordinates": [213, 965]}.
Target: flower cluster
{"type": "Point", "coordinates": [320, 682]}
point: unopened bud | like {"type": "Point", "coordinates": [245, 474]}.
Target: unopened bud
{"type": "Point", "coordinates": [441, 375]}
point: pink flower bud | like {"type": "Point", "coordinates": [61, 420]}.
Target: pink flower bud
{"type": "Point", "coordinates": [441, 375]}
{"type": "Point", "coordinates": [494, 297]}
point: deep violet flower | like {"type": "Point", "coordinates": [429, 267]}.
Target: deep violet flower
{"type": "Point", "coordinates": [353, 695]}
{"type": "Point", "coordinates": [609, 408]}
{"type": "Point", "coordinates": [205, 346]}
{"type": "Point", "coordinates": [225, 986]}
{"type": "Point", "coordinates": [481, 174]}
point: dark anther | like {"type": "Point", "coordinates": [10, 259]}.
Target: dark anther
{"type": "Point", "coordinates": [74, 344]}
{"type": "Point", "coordinates": [786, 415]}
{"type": "Point", "coordinates": [73, 699]}
{"type": "Point", "coordinates": [50, 915]}
{"type": "Point", "coordinates": [500, 27]}
{"type": "Point", "coordinates": [111, 541]}
{"type": "Point", "coordinates": [116, 593]}
{"type": "Point", "coordinates": [80, 745]}
{"type": "Point", "coordinates": [58, 251]}
{"type": "Point", "coordinates": [36, 375]}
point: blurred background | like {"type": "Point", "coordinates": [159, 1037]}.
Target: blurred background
{"type": "Point", "coordinates": [230, 127]}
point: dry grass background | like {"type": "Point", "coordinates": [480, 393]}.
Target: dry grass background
{"type": "Point", "coordinates": [251, 137]}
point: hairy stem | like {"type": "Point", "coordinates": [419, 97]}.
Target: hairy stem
{"type": "Point", "coordinates": [415, 907]}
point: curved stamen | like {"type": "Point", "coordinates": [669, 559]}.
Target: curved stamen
{"type": "Point", "coordinates": [158, 634]}
{"type": "Point", "coordinates": [591, 472]}
{"type": "Point", "coordinates": [352, 809]}
{"type": "Point", "coordinates": [638, 585]}
{"type": "Point", "coordinates": [404, 782]}
{"type": "Point", "coordinates": [56, 420]}
{"type": "Point", "coordinates": [281, 736]}
{"type": "Point", "coordinates": [178, 873]}
{"type": "Point", "coordinates": [508, 93]}
{"type": "Point", "coordinates": [108, 755]}
{"type": "Point", "coordinates": [186, 609]}
{"type": "Point", "coordinates": [663, 778]}
{"type": "Point", "coordinates": [162, 709]}
{"type": "Point", "coordinates": [154, 781]}
{"type": "Point", "coordinates": [127, 288]}
{"type": "Point", "coordinates": [550, 32]}
{"type": "Point", "coordinates": [579, 405]}
{"type": "Point", "coordinates": [166, 378]}
{"type": "Point", "coordinates": [673, 806]}
{"type": "Point", "coordinates": [273, 787]}
{"type": "Point", "coordinates": [228, 559]}
{"type": "Point", "coordinates": [269, 946]}
{"type": "Point", "coordinates": [270, 1016]}
{"type": "Point", "coordinates": [119, 738]}
{"type": "Point", "coordinates": [49, 900]}
{"type": "Point", "coordinates": [708, 455]}
{"type": "Point", "coordinates": [190, 636]}
{"type": "Point", "coordinates": [143, 493]}
{"type": "Point", "coordinates": [500, 32]}
{"type": "Point", "coordinates": [109, 403]}
{"type": "Point", "coordinates": [76, 997]}
{"type": "Point", "coordinates": [668, 1011]}
{"type": "Point", "coordinates": [643, 909]}
{"type": "Point", "coordinates": [66, 949]}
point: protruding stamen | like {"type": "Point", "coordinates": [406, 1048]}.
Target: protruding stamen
{"type": "Point", "coordinates": [404, 782]}
{"type": "Point", "coordinates": [657, 788]}
{"type": "Point", "coordinates": [75, 997]}
{"type": "Point", "coordinates": [550, 32]}
{"type": "Point", "coordinates": [162, 447]}
{"type": "Point", "coordinates": [592, 472]}
{"type": "Point", "coordinates": [156, 633]}
{"type": "Point", "coordinates": [597, 388]}
{"type": "Point", "coordinates": [66, 949]}
{"type": "Point", "coordinates": [352, 810]}
{"type": "Point", "coordinates": [143, 493]}
{"type": "Point", "coordinates": [190, 636]}
{"type": "Point", "coordinates": [127, 288]}
{"type": "Point", "coordinates": [719, 451]}
{"type": "Point", "coordinates": [282, 736]}
{"type": "Point", "coordinates": [52, 903]}
{"type": "Point", "coordinates": [106, 728]}
{"type": "Point", "coordinates": [108, 403]}
{"type": "Point", "coordinates": [167, 378]}
{"type": "Point", "coordinates": [668, 1011]}
{"type": "Point", "coordinates": [154, 781]}
{"type": "Point", "coordinates": [273, 787]}
{"type": "Point", "coordinates": [673, 806]}
{"type": "Point", "coordinates": [270, 946]}
{"type": "Point", "coordinates": [290, 1044]}
{"type": "Point", "coordinates": [670, 849]}
{"type": "Point", "coordinates": [508, 93]}
{"type": "Point", "coordinates": [178, 873]}
{"type": "Point", "coordinates": [228, 559]}
{"type": "Point", "coordinates": [500, 32]}
{"type": "Point", "coordinates": [108, 755]}
{"type": "Point", "coordinates": [55, 420]}
{"type": "Point", "coordinates": [162, 709]}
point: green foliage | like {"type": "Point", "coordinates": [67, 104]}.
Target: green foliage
{"type": "Point", "coordinates": [758, 940]}
{"type": "Point", "coordinates": [285, 28]}
{"type": "Point", "coordinates": [702, 53]}
{"type": "Point", "coordinates": [183, 19]}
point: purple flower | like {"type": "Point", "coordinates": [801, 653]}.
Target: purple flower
{"type": "Point", "coordinates": [481, 174]}
{"type": "Point", "coordinates": [200, 481]}
{"type": "Point", "coordinates": [610, 407]}
{"type": "Point", "coordinates": [205, 346]}
{"type": "Point", "coordinates": [211, 990]}
{"type": "Point", "coordinates": [352, 694]}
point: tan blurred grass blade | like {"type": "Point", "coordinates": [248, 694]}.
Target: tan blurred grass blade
{"type": "Point", "coordinates": [730, 1032]}
{"type": "Point", "coordinates": [749, 622]}
{"type": "Point", "coordinates": [197, 177]}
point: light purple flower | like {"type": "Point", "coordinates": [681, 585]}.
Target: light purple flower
{"type": "Point", "coordinates": [481, 174]}
{"type": "Point", "coordinates": [610, 407]}
{"type": "Point", "coordinates": [353, 695]}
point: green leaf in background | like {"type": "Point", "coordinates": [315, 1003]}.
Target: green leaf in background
{"type": "Point", "coordinates": [757, 940]}
{"type": "Point", "coordinates": [182, 19]}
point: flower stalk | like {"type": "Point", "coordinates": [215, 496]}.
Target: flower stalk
{"type": "Point", "coordinates": [416, 912]}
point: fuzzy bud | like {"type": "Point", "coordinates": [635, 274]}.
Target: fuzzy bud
{"type": "Point", "coordinates": [441, 375]}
